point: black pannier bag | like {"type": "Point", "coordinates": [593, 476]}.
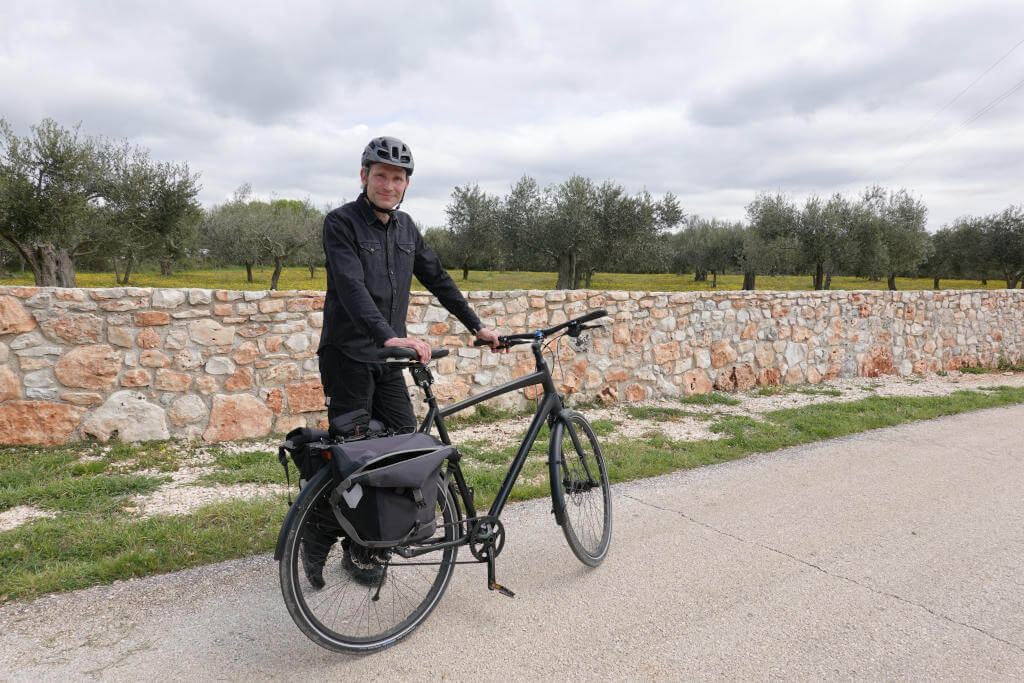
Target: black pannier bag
{"type": "Point", "coordinates": [306, 447]}
{"type": "Point", "coordinates": [386, 488]}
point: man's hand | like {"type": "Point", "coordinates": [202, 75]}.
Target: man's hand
{"type": "Point", "coordinates": [418, 345]}
{"type": "Point", "coordinates": [489, 336]}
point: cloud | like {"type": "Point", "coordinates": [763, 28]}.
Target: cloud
{"type": "Point", "coordinates": [712, 101]}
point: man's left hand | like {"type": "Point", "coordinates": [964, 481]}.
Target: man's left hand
{"type": "Point", "coordinates": [489, 336]}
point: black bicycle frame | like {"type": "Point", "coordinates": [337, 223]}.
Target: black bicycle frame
{"type": "Point", "coordinates": [549, 405]}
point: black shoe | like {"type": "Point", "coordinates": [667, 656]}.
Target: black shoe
{"type": "Point", "coordinates": [360, 564]}
{"type": "Point", "coordinates": [314, 555]}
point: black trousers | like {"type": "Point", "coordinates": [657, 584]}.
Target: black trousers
{"type": "Point", "coordinates": [350, 384]}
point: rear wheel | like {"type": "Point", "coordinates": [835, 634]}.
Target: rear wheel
{"type": "Point", "coordinates": [579, 477]}
{"type": "Point", "coordinates": [350, 598]}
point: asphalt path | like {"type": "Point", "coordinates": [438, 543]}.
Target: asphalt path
{"type": "Point", "coordinates": [897, 553]}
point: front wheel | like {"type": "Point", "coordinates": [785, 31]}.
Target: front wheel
{"type": "Point", "coordinates": [579, 479]}
{"type": "Point", "coordinates": [350, 598]}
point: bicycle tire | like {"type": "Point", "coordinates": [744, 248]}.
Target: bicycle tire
{"type": "Point", "coordinates": [343, 615]}
{"type": "Point", "coordinates": [579, 478]}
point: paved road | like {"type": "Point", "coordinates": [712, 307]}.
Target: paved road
{"type": "Point", "coordinates": [897, 553]}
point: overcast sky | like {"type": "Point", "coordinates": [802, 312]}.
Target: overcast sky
{"type": "Point", "coordinates": [713, 101]}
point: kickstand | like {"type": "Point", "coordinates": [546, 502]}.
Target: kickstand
{"type": "Point", "coordinates": [491, 583]}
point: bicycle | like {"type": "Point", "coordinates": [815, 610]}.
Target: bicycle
{"type": "Point", "coordinates": [371, 598]}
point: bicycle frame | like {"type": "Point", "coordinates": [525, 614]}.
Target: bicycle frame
{"type": "Point", "coordinates": [549, 407]}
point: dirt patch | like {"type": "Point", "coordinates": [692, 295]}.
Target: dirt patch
{"type": "Point", "coordinates": [15, 517]}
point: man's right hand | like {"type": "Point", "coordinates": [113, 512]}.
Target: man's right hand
{"type": "Point", "coordinates": [418, 345]}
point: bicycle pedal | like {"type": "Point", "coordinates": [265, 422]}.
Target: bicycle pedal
{"type": "Point", "coordinates": [501, 589]}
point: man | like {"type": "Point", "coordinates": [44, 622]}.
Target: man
{"type": "Point", "coordinates": [373, 250]}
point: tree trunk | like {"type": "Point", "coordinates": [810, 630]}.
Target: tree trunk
{"type": "Point", "coordinates": [984, 282]}
{"type": "Point", "coordinates": [700, 275]}
{"type": "Point", "coordinates": [892, 282]}
{"type": "Point", "coordinates": [278, 267]}
{"type": "Point", "coordinates": [819, 276]}
{"type": "Point", "coordinates": [589, 277]}
{"type": "Point", "coordinates": [52, 267]}
{"type": "Point", "coordinates": [312, 272]}
{"type": "Point", "coordinates": [566, 265]}
{"type": "Point", "coordinates": [165, 266]}
{"type": "Point", "coordinates": [935, 282]}
{"type": "Point", "coordinates": [714, 279]}
{"type": "Point", "coordinates": [828, 281]}
{"type": "Point", "coordinates": [465, 271]}
{"type": "Point", "coordinates": [749, 281]}
{"type": "Point", "coordinates": [248, 272]}
{"type": "Point", "coordinates": [117, 273]}
{"type": "Point", "coordinates": [127, 272]}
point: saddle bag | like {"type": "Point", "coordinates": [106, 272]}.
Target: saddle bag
{"type": "Point", "coordinates": [386, 489]}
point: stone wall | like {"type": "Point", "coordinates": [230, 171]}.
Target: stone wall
{"type": "Point", "coordinates": [141, 363]}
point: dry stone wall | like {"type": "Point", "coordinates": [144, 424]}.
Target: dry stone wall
{"type": "Point", "coordinates": [141, 363]}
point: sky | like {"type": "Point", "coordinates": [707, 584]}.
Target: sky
{"type": "Point", "coordinates": [712, 101]}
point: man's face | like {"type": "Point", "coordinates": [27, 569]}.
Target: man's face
{"type": "Point", "coordinates": [385, 184]}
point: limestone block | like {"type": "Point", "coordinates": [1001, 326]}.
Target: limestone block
{"type": "Point", "coordinates": [254, 296]}
{"type": "Point", "coordinates": [188, 359]}
{"type": "Point", "coordinates": [38, 422]}
{"type": "Point", "coordinates": [197, 297]}
{"type": "Point", "coordinates": [305, 397]}
{"type": "Point", "coordinates": [186, 409]}
{"type": "Point", "coordinates": [10, 386]}
{"type": "Point", "coordinates": [147, 339]}
{"type": "Point", "coordinates": [297, 343]}
{"type": "Point", "coordinates": [242, 379]}
{"type": "Point", "coordinates": [38, 379]}
{"type": "Point", "coordinates": [74, 329]}
{"type": "Point", "coordinates": [237, 416]}
{"type": "Point", "coordinates": [89, 367]}
{"type": "Point", "coordinates": [220, 365]}
{"type": "Point", "coordinates": [211, 333]}
{"type": "Point", "coordinates": [81, 398]}
{"type": "Point", "coordinates": [154, 359]}
{"type": "Point", "coordinates": [168, 298]}
{"type": "Point", "coordinates": [14, 319]}
{"type": "Point", "coordinates": [128, 416]}
{"type": "Point", "coordinates": [246, 353]}
{"type": "Point", "coordinates": [168, 380]}
{"type": "Point", "coordinates": [696, 382]}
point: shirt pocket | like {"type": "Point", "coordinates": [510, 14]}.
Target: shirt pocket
{"type": "Point", "coordinates": [371, 255]}
{"type": "Point", "coordinates": [406, 253]}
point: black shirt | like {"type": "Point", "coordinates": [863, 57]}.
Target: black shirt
{"type": "Point", "coordinates": [369, 271]}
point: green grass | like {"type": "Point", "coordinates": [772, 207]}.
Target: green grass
{"type": "Point", "coordinates": [659, 414]}
{"type": "Point", "coordinates": [250, 467]}
{"type": "Point", "coordinates": [711, 399]}
{"type": "Point", "coordinates": [93, 540]}
{"type": "Point", "coordinates": [298, 278]}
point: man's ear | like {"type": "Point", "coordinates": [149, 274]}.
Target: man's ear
{"type": "Point", "coordinates": [362, 177]}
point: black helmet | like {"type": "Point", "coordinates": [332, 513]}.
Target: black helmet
{"type": "Point", "coordinates": [387, 150]}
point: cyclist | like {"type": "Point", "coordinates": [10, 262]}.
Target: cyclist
{"type": "Point", "coordinates": [372, 251]}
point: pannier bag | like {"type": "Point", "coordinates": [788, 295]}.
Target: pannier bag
{"type": "Point", "coordinates": [306, 447]}
{"type": "Point", "coordinates": [386, 488]}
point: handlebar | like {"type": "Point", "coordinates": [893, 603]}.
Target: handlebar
{"type": "Point", "coordinates": [406, 353]}
{"type": "Point", "coordinates": [576, 325]}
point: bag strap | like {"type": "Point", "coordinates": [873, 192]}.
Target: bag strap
{"type": "Point", "coordinates": [282, 455]}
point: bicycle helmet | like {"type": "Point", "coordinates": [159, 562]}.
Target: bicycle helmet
{"type": "Point", "coordinates": [388, 150]}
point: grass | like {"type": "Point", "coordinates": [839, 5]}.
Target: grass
{"type": "Point", "coordinates": [94, 540]}
{"type": "Point", "coordinates": [298, 278]}
{"type": "Point", "coordinates": [711, 399]}
{"type": "Point", "coordinates": [658, 414]}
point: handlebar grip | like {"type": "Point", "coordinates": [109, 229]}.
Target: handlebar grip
{"type": "Point", "coordinates": [593, 315]}
{"type": "Point", "coordinates": [408, 353]}
{"type": "Point", "coordinates": [481, 342]}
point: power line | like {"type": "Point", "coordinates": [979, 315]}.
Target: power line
{"type": "Point", "coordinates": [999, 99]}
{"type": "Point", "coordinates": [961, 93]}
